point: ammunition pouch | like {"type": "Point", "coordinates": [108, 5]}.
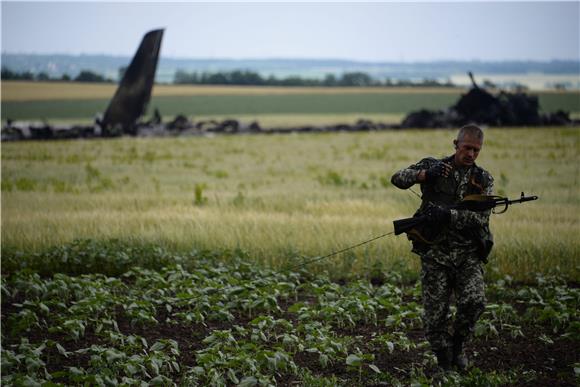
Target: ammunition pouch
{"type": "Point", "coordinates": [424, 235]}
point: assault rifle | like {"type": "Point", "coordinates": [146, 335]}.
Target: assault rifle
{"type": "Point", "coordinates": [470, 202]}
{"type": "Point", "coordinates": [412, 225]}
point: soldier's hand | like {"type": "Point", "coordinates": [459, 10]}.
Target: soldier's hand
{"type": "Point", "coordinates": [438, 215]}
{"type": "Point", "coordinates": [439, 169]}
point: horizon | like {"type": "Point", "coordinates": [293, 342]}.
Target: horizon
{"type": "Point", "coordinates": [329, 59]}
{"type": "Point", "coordinates": [536, 75]}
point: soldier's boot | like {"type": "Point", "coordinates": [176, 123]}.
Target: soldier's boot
{"type": "Point", "coordinates": [459, 359]}
{"type": "Point", "coordinates": [443, 358]}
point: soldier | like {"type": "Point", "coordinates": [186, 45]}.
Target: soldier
{"type": "Point", "coordinates": [452, 257]}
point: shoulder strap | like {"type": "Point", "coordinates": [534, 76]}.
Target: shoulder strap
{"type": "Point", "coordinates": [476, 179]}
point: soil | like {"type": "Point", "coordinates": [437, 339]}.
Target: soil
{"type": "Point", "coordinates": [552, 363]}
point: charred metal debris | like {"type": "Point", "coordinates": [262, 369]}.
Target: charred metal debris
{"type": "Point", "coordinates": [129, 104]}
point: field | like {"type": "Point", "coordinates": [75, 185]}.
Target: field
{"type": "Point", "coordinates": [195, 322]}
{"type": "Point", "coordinates": [278, 197]}
{"type": "Point", "coordinates": [131, 260]}
{"type": "Point", "coordinates": [181, 261]}
{"type": "Point", "coordinates": [69, 102]}
{"type": "Point", "coordinates": [282, 197]}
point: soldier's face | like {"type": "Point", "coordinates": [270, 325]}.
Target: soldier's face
{"type": "Point", "coordinates": [467, 150]}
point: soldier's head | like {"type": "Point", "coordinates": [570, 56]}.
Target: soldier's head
{"type": "Point", "coordinates": [467, 145]}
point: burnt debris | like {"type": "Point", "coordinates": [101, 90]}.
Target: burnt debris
{"type": "Point", "coordinates": [122, 117]}
{"type": "Point", "coordinates": [481, 107]}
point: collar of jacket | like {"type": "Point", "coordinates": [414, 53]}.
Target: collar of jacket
{"type": "Point", "coordinates": [450, 160]}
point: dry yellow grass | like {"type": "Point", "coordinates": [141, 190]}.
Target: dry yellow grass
{"type": "Point", "coordinates": [296, 120]}
{"type": "Point", "coordinates": [43, 91]}
{"type": "Point", "coordinates": [282, 196]}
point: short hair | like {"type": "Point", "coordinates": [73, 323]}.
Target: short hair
{"type": "Point", "coordinates": [471, 131]}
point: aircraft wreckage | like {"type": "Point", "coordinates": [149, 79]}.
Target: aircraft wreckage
{"type": "Point", "coordinates": [129, 103]}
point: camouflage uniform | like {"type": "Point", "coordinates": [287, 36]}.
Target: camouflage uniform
{"type": "Point", "coordinates": [454, 262]}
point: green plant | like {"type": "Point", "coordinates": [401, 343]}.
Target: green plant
{"type": "Point", "coordinates": [199, 199]}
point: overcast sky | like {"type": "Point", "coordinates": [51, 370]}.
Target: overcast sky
{"type": "Point", "coordinates": [405, 31]}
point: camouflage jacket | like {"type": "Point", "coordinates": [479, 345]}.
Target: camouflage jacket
{"type": "Point", "coordinates": [459, 237]}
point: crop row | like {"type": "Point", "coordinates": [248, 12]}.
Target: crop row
{"type": "Point", "coordinates": [223, 324]}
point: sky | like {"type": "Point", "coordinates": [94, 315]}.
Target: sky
{"type": "Point", "coordinates": [376, 32]}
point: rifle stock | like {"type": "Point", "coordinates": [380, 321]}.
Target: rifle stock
{"type": "Point", "coordinates": [407, 224]}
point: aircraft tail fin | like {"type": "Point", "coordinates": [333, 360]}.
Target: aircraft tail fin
{"type": "Point", "coordinates": [134, 91]}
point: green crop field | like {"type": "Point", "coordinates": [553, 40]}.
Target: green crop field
{"type": "Point", "coordinates": [174, 262]}
{"type": "Point", "coordinates": [70, 102]}
{"type": "Point", "coordinates": [181, 261]}
{"type": "Point", "coordinates": [234, 105]}
{"type": "Point", "coordinates": [195, 322]}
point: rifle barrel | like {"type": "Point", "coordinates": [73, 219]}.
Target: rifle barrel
{"type": "Point", "coordinates": [523, 199]}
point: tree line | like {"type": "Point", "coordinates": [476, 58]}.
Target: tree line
{"type": "Point", "coordinates": [246, 77]}
{"type": "Point", "coordinates": [238, 78]}
{"type": "Point", "coordinates": [83, 76]}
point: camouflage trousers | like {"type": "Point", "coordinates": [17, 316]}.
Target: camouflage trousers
{"type": "Point", "coordinates": [439, 282]}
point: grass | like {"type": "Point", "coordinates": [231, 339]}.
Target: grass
{"type": "Point", "coordinates": [189, 320]}
{"type": "Point", "coordinates": [80, 102]}
{"type": "Point", "coordinates": [283, 197]}
{"type": "Point", "coordinates": [45, 91]}
{"type": "Point", "coordinates": [297, 120]}
{"type": "Point", "coordinates": [234, 105]}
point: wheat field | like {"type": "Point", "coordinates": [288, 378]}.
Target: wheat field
{"type": "Point", "coordinates": [36, 91]}
{"type": "Point", "coordinates": [285, 198]}
{"type": "Point", "coordinates": [78, 103]}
